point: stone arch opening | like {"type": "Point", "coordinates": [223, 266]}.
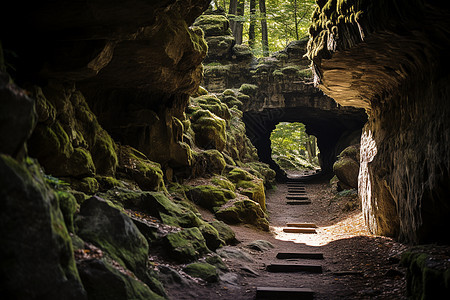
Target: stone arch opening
{"type": "Point", "coordinates": [335, 129]}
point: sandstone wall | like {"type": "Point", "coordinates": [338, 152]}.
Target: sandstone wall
{"type": "Point", "coordinates": [388, 57]}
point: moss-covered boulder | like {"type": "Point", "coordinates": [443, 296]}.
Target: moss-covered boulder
{"type": "Point", "coordinates": [68, 206]}
{"type": "Point", "coordinates": [36, 253]}
{"type": "Point", "coordinates": [204, 271]}
{"type": "Point", "coordinates": [68, 140]}
{"type": "Point", "coordinates": [156, 204]}
{"type": "Point", "coordinates": [248, 89]}
{"type": "Point", "coordinates": [114, 232]}
{"type": "Point", "coordinates": [214, 105]}
{"type": "Point", "coordinates": [225, 232]}
{"type": "Point", "coordinates": [249, 185]}
{"type": "Point", "coordinates": [209, 196]}
{"type": "Point", "coordinates": [211, 235]}
{"type": "Point", "coordinates": [135, 165]}
{"type": "Point", "coordinates": [346, 168]}
{"type": "Point", "coordinates": [103, 281]}
{"type": "Point", "coordinates": [208, 162]}
{"type": "Point", "coordinates": [186, 245]}
{"type": "Point", "coordinates": [428, 272]}
{"type": "Point", "coordinates": [209, 130]}
{"type": "Point", "coordinates": [244, 211]}
{"type": "Point", "coordinates": [223, 182]}
{"type": "Point", "coordinates": [213, 25]}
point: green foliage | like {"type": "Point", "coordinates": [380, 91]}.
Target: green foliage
{"type": "Point", "coordinates": [287, 21]}
{"type": "Point", "coordinates": [293, 148]}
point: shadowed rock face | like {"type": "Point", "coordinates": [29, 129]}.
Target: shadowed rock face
{"type": "Point", "coordinates": [280, 90]}
{"type": "Point", "coordinates": [388, 57]}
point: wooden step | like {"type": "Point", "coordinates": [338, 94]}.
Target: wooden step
{"type": "Point", "coordinates": [296, 185]}
{"type": "Point", "coordinates": [304, 225]}
{"type": "Point", "coordinates": [299, 230]}
{"type": "Point", "coordinates": [297, 197]}
{"type": "Point", "coordinates": [296, 194]}
{"type": "Point", "coordinates": [296, 191]}
{"type": "Point", "coordinates": [298, 202]}
{"type": "Point", "coordinates": [279, 293]}
{"type": "Point", "coordinates": [289, 268]}
{"type": "Point", "coordinates": [302, 255]}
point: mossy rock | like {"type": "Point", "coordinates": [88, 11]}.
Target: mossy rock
{"type": "Point", "coordinates": [248, 89]}
{"type": "Point", "coordinates": [229, 92]}
{"type": "Point", "coordinates": [217, 262]}
{"type": "Point", "coordinates": [68, 205]}
{"type": "Point", "coordinates": [102, 281]}
{"type": "Point", "coordinates": [114, 232]}
{"type": "Point", "coordinates": [210, 197]}
{"type": "Point", "coordinates": [36, 249]}
{"type": "Point", "coordinates": [146, 173]}
{"type": "Point", "coordinates": [239, 174]}
{"type": "Point", "coordinates": [244, 211]}
{"type": "Point", "coordinates": [213, 25]}
{"type": "Point", "coordinates": [209, 130]}
{"type": "Point", "coordinates": [225, 232]}
{"type": "Point", "coordinates": [107, 182]}
{"type": "Point", "coordinates": [214, 105]}
{"type": "Point", "coordinates": [254, 190]}
{"type": "Point", "coordinates": [427, 275]}
{"type": "Point", "coordinates": [204, 271]}
{"type": "Point", "coordinates": [87, 185]}
{"type": "Point", "coordinates": [231, 101]}
{"type": "Point", "coordinates": [212, 237]}
{"type": "Point", "coordinates": [158, 205]}
{"type": "Point", "coordinates": [208, 162]}
{"type": "Point", "coordinates": [186, 245]}
{"type": "Point", "coordinates": [224, 183]}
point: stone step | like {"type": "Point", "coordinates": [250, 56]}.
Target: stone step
{"type": "Point", "coordinates": [296, 185]}
{"type": "Point", "coordinates": [296, 194]}
{"type": "Point", "coordinates": [279, 293]}
{"type": "Point", "coordinates": [298, 202]}
{"type": "Point", "coordinates": [302, 255]}
{"type": "Point", "coordinates": [299, 230]}
{"type": "Point", "coordinates": [290, 268]}
{"type": "Point", "coordinates": [296, 197]}
{"type": "Point", "coordinates": [304, 225]}
{"type": "Point", "coordinates": [296, 190]}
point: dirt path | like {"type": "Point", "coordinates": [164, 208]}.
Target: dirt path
{"type": "Point", "coordinates": [356, 265]}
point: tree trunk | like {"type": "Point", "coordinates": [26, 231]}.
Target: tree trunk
{"type": "Point", "coordinates": [239, 24]}
{"type": "Point", "coordinates": [251, 29]}
{"type": "Point", "coordinates": [296, 19]}
{"type": "Point", "coordinates": [236, 9]}
{"type": "Point", "coordinates": [264, 36]}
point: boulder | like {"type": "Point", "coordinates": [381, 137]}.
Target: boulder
{"type": "Point", "coordinates": [249, 185]}
{"type": "Point", "coordinates": [209, 196]}
{"type": "Point", "coordinates": [209, 130]}
{"type": "Point", "coordinates": [225, 232]}
{"type": "Point", "coordinates": [212, 236]}
{"type": "Point", "coordinates": [186, 245]}
{"type": "Point", "coordinates": [103, 281]}
{"type": "Point", "coordinates": [204, 271]}
{"type": "Point", "coordinates": [114, 232]}
{"type": "Point", "coordinates": [243, 211]}
{"type": "Point", "coordinates": [346, 168]}
{"type": "Point", "coordinates": [36, 253]}
{"type": "Point", "coordinates": [17, 116]}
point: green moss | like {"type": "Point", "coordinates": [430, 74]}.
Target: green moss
{"type": "Point", "coordinates": [225, 232]}
{"type": "Point", "coordinates": [209, 130]}
{"type": "Point", "coordinates": [213, 25]}
{"type": "Point", "coordinates": [215, 162]}
{"type": "Point", "coordinates": [248, 89]}
{"type": "Point", "coordinates": [210, 197]}
{"type": "Point", "coordinates": [68, 206]}
{"type": "Point", "coordinates": [217, 262]}
{"type": "Point", "coordinates": [238, 174]}
{"type": "Point", "coordinates": [204, 271]}
{"type": "Point", "coordinates": [224, 183]}
{"type": "Point", "coordinates": [212, 237]}
{"type": "Point", "coordinates": [186, 245]}
{"type": "Point", "coordinates": [229, 92]}
{"type": "Point", "coordinates": [244, 211]}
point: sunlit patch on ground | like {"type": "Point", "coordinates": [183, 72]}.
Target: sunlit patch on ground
{"type": "Point", "coordinates": [347, 228]}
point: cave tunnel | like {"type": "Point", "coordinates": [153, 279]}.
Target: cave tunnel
{"type": "Point", "coordinates": [334, 129]}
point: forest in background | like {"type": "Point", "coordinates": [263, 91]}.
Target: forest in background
{"type": "Point", "coordinates": [267, 26]}
{"type": "Point", "coordinates": [293, 148]}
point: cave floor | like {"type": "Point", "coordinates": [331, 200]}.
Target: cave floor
{"type": "Point", "coordinates": [356, 264]}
